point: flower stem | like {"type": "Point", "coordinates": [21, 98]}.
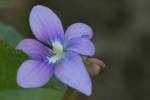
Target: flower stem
{"type": "Point", "coordinates": [71, 95]}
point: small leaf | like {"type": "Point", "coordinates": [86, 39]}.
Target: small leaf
{"type": "Point", "coordinates": [28, 94]}
{"type": "Point", "coordinates": [10, 60]}
{"type": "Point", "coordinates": [10, 35]}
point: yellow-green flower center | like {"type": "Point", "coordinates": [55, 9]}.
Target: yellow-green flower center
{"type": "Point", "coordinates": [58, 50]}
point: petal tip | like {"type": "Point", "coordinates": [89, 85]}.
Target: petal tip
{"type": "Point", "coordinates": [38, 6]}
{"type": "Point", "coordinates": [88, 91]}
{"type": "Point", "coordinates": [21, 43]}
{"type": "Point", "coordinates": [36, 9]}
{"type": "Point", "coordinates": [93, 53]}
{"type": "Point", "coordinates": [20, 83]}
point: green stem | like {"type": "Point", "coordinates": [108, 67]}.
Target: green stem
{"type": "Point", "coordinates": [71, 95]}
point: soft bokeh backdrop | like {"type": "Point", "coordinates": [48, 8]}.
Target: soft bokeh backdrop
{"type": "Point", "coordinates": [121, 35]}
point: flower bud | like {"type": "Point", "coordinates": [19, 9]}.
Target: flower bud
{"type": "Point", "coordinates": [95, 66]}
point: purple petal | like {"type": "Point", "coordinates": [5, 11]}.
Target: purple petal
{"type": "Point", "coordinates": [81, 45]}
{"type": "Point", "coordinates": [45, 24]}
{"type": "Point", "coordinates": [71, 71]}
{"type": "Point", "coordinates": [34, 74]}
{"type": "Point", "coordinates": [34, 49]}
{"type": "Point", "coordinates": [79, 30]}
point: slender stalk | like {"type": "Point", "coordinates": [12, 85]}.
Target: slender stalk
{"type": "Point", "coordinates": [71, 95]}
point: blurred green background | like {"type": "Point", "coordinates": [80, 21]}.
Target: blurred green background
{"type": "Point", "coordinates": [121, 35]}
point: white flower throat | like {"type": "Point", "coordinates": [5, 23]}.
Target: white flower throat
{"type": "Point", "coordinates": [58, 50]}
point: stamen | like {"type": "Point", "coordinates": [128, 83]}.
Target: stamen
{"type": "Point", "coordinates": [58, 50]}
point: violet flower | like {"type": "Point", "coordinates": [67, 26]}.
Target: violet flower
{"type": "Point", "coordinates": [63, 59]}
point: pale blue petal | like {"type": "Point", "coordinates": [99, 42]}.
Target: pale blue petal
{"type": "Point", "coordinates": [33, 74]}
{"type": "Point", "coordinates": [45, 24]}
{"type": "Point", "coordinates": [34, 49]}
{"type": "Point", "coordinates": [72, 72]}
{"type": "Point", "coordinates": [81, 45]}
